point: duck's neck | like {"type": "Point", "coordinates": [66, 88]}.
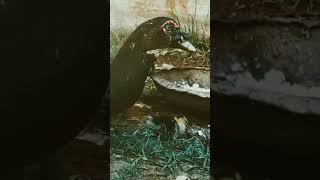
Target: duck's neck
{"type": "Point", "coordinates": [136, 45]}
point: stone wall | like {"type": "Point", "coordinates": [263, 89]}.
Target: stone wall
{"type": "Point", "coordinates": [128, 14]}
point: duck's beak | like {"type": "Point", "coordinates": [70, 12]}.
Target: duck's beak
{"type": "Point", "coordinates": [186, 45]}
{"type": "Point", "coordinates": [181, 40]}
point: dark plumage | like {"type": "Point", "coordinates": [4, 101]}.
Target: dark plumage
{"type": "Point", "coordinates": [132, 65]}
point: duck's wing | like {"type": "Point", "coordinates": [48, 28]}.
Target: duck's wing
{"type": "Point", "coordinates": [127, 80]}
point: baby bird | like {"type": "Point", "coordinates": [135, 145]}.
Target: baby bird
{"type": "Point", "coordinates": [168, 125]}
{"type": "Point", "coordinates": [181, 125]}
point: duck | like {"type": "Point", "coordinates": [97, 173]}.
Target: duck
{"type": "Point", "coordinates": [132, 65]}
{"type": "Point", "coordinates": [167, 125]}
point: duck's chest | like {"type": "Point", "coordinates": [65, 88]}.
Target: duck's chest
{"type": "Point", "coordinates": [134, 68]}
{"type": "Point", "coordinates": [128, 79]}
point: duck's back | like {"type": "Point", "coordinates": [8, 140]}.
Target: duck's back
{"type": "Point", "coordinates": [131, 66]}
{"type": "Point", "coordinates": [127, 81]}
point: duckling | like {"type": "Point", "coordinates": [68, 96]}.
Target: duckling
{"type": "Point", "coordinates": [152, 123]}
{"type": "Point", "coordinates": [132, 65]}
{"type": "Point", "coordinates": [168, 126]}
{"type": "Point", "coordinates": [163, 125]}
{"type": "Point", "coordinates": [181, 125]}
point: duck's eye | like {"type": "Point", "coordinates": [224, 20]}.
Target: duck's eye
{"type": "Point", "coordinates": [168, 28]}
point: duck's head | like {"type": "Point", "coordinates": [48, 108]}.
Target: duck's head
{"type": "Point", "coordinates": [163, 32]}
{"type": "Point", "coordinates": [175, 36]}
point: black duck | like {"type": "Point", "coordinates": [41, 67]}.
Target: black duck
{"type": "Point", "coordinates": [132, 64]}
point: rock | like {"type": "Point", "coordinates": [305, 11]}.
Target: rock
{"type": "Point", "coordinates": [182, 177]}
{"type": "Point", "coordinates": [187, 168]}
{"type": "Point", "coordinates": [270, 114]}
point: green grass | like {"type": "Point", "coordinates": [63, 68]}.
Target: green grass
{"type": "Point", "coordinates": [117, 38]}
{"type": "Point", "coordinates": [170, 154]}
{"type": "Point", "coordinates": [195, 29]}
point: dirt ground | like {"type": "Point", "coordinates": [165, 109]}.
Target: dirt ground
{"type": "Point", "coordinates": [153, 102]}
